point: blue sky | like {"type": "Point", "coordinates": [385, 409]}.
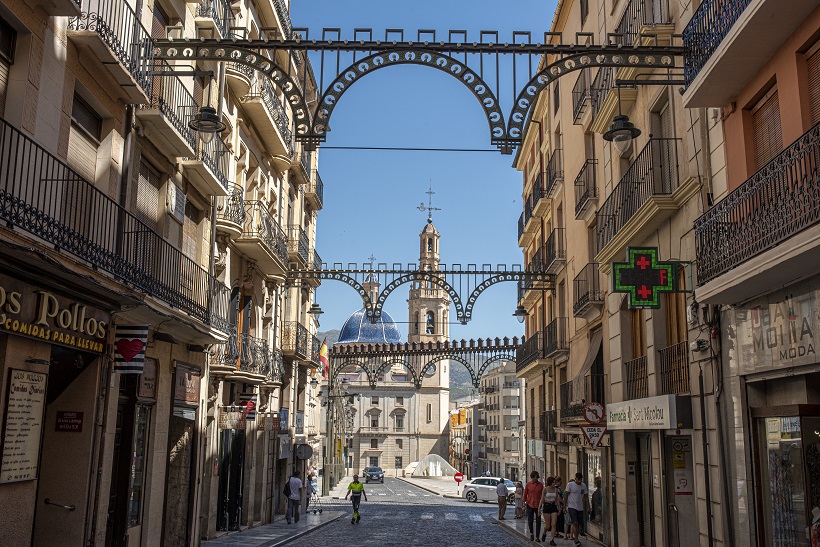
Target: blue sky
{"type": "Point", "coordinates": [371, 197]}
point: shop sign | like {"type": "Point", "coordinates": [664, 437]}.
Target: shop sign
{"type": "Point", "coordinates": [147, 386]}
{"type": "Point", "coordinates": [186, 384]}
{"type": "Point", "coordinates": [649, 413]}
{"type": "Point", "coordinates": [285, 444]}
{"type": "Point", "coordinates": [776, 331]}
{"type": "Point", "coordinates": [23, 425]}
{"type": "Point", "coordinates": [268, 421]}
{"type": "Point", "coordinates": [69, 421]}
{"type": "Point", "coordinates": [283, 419]}
{"type": "Point", "coordinates": [34, 313]}
{"type": "Point", "coordinates": [232, 417]}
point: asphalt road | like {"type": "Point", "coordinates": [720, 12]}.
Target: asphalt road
{"type": "Point", "coordinates": [400, 514]}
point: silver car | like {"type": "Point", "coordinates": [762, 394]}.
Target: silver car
{"type": "Point", "coordinates": [484, 489]}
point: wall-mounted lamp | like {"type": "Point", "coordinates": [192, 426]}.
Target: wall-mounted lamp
{"type": "Point", "coordinates": [622, 131]}
{"type": "Point", "coordinates": [520, 313]}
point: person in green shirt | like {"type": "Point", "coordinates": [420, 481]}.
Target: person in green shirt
{"type": "Point", "coordinates": [356, 488]}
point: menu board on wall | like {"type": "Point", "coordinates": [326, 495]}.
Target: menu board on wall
{"type": "Point", "coordinates": [23, 426]}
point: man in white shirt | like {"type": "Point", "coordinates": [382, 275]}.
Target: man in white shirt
{"type": "Point", "coordinates": [577, 505]}
{"type": "Point", "coordinates": [501, 490]}
{"type": "Point", "coordinates": [295, 484]}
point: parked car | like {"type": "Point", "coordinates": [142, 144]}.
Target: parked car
{"type": "Point", "coordinates": [374, 474]}
{"type": "Point", "coordinates": [484, 489]}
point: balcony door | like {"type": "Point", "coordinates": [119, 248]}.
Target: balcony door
{"type": "Point", "coordinates": [767, 134]}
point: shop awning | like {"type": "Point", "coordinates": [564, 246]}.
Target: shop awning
{"type": "Point", "coordinates": [594, 347]}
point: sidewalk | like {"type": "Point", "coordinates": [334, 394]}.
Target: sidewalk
{"type": "Point", "coordinates": [442, 486]}
{"type": "Point", "coordinates": [276, 533]}
{"type": "Point", "coordinates": [518, 527]}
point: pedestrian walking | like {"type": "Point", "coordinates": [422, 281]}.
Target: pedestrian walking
{"type": "Point", "coordinates": [356, 490]}
{"type": "Point", "coordinates": [577, 502]}
{"type": "Point", "coordinates": [519, 505]}
{"type": "Point", "coordinates": [311, 488]}
{"type": "Point", "coordinates": [293, 490]}
{"type": "Point", "coordinates": [532, 501]}
{"type": "Point", "coordinates": [551, 506]}
{"type": "Point", "coordinates": [562, 524]}
{"type": "Point", "coordinates": [501, 492]}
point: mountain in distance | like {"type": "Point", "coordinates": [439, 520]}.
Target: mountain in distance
{"type": "Point", "coordinates": [331, 335]}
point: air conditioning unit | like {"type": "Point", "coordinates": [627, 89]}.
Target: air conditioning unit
{"type": "Point", "coordinates": [175, 204]}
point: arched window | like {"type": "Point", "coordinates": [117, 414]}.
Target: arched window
{"type": "Point", "coordinates": [431, 323]}
{"type": "Point", "coordinates": [429, 244]}
{"type": "Point", "coordinates": [416, 324]}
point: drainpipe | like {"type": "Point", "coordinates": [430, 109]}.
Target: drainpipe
{"type": "Point", "coordinates": [708, 473]}
{"type": "Point", "coordinates": [729, 529]}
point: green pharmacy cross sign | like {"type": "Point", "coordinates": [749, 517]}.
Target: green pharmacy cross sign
{"type": "Point", "coordinates": [643, 277]}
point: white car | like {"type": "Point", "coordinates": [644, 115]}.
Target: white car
{"type": "Point", "coordinates": [484, 489]}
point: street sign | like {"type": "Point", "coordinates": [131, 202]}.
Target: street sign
{"type": "Point", "coordinates": [594, 413]}
{"type": "Point", "coordinates": [459, 477]}
{"type": "Point", "coordinates": [644, 277]}
{"type": "Point", "coordinates": [594, 434]}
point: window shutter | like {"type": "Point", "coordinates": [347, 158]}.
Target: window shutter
{"type": "Point", "coordinates": [189, 232]}
{"type": "Point", "coordinates": [4, 82]}
{"type": "Point", "coordinates": [82, 153]}
{"type": "Point", "coordinates": [813, 63]}
{"type": "Point", "coordinates": [768, 139]}
{"type": "Point", "coordinates": [148, 195]}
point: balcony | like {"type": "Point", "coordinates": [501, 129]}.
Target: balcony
{"type": "Point", "coordinates": [239, 78]}
{"type": "Point", "coordinates": [581, 97]}
{"type": "Point", "coordinates": [586, 191]}
{"type": "Point", "coordinates": [314, 195]}
{"type": "Point", "coordinates": [556, 339]}
{"type": "Point", "coordinates": [302, 167]}
{"type": "Point", "coordinates": [728, 41]}
{"type": "Point", "coordinates": [243, 357]}
{"type": "Point", "coordinates": [762, 234]}
{"type": "Point", "coordinates": [555, 251]}
{"type": "Point", "coordinates": [42, 196]}
{"type": "Point", "coordinates": [315, 347]}
{"type": "Point", "coordinates": [590, 388]}
{"type": "Point", "coordinates": [298, 244]}
{"type": "Point", "coordinates": [636, 379]}
{"type": "Point", "coordinates": [165, 118]}
{"type": "Point", "coordinates": [529, 290]}
{"type": "Point", "coordinates": [529, 352]}
{"type": "Point", "coordinates": [262, 239]}
{"type": "Point", "coordinates": [589, 292]}
{"type": "Point", "coordinates": [604, 99]}
{"type": "Point", "coordinates": [646, 196]}
{"type": "Point", "coordinates": [208, 168]}
{"type": "Point", "coordinates": [643, 18]}
{"type": "Point", "coordinates": [59, 7]}
{"type": "Point", "coordinates": [230, 212]}
{"type": "Point", "coordinates": [674, 369]}
{"type": "Point", "coordinates": [549, 421]}
{"type": "Point", "coordinates": [213, 19]}
{"type": "Point", "coordinates": [295, 340]}
{"type": "Point", "coordinates": [540, 204]}
{"type": "Point", "coordinates": [270, 119]}
{"type": "Point", "coordinates": [113, 43]}
{"type": "Point", "coordinates": [555, 173]}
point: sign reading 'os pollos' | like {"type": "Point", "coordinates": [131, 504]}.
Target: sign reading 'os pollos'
{"type": "Point", "coordinates": [36, 313]}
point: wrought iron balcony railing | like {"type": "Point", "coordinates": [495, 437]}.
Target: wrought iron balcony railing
{"type": "Point", "coordinates": [306, 160]}
{"type": "Point", "coordinates": [315, 347]}
{"type": "Point", "coordinates": [219, 11]}
{"type": "Point", "coordinates": [284, 16]}
{"type": "Point", "coordinates": [120, 29]}
{"type": "Point", "coordinates": [603, 82]}
{"type": "Point", "coordinates": [531, 349]}
{"type": "Point", "coordinates": [555, 251]}
{"type": "Point", "coordinates": [586, 188]}
{"type": "Point", "coordinates": [277, 366]}
{"type": "Point", "coordinates": [231, 208]}
{"type": "Point", "coordinates": [317, 260]}
{"type": "Point", "coordinates": [580, 95]}
{"type": "Point", "coordinates": [170, 96]}
{"type": "Point", "coordinates": [674, 369]}
{"type": "Point", "coordinates": [556, 337]}
{"type": "Point", "coordinates": [777, 202]}
{"type": "Point", "coordinates": [521, 223]}
{"type": "Point", "coordinates": [298, 242]}
{"type": "Point", "coordinates": [246, 353]}
{"type": "Point", "coordinates": [637, 381]}
{"type": "Point", "coordinates": [590, 388]}
{"type": "Point", "coordinates": [295, 339]}
{"type": "Point", "coordinates": [639, 13]}
{"type": "Point", "coordinates": [260, 224]}
{"type": "Point", "coordinates": [588, 287]}
{"type": "Point", "coordinates": [555, 172]}
{"type": "Point", "coordinates": [317, 187]}
{"type": "Point", "coordinates": [245, 70]}
{"type": "Point", "coordinates": [44, 197]}
{"type": "Point", "coordinates": [216, 157]}
{"type": "Point", "coordinates": [705, 31]}
{"type": "Point", "coordinates": [653, 173]}
{"type": "Point", "coordinates": [262, 88]}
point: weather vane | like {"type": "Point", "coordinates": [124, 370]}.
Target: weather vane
{"type": "Point", "coordinates": [429, 207]}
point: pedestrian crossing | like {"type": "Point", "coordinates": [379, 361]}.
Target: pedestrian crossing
{"type": "Point", "coordinates": [428, 516]}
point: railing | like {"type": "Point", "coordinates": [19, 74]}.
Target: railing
{"type": "Point", "coordinates": [555, 249]}
{"type": "Point", "coordinates": [295, 338]}
{"type": "Point", "coordinates": [550, 422]}
{"type": "Point", "coordinates": [705, 31]}
{"type": "Point", "coordinates": [317, 186]}
{"type": "Point", "coordinates": [585, 186]}
{"type": "Point", "coordinates": [590, 388]}
{"type": "Point", "coordinates": [284, 16]}
{"type": "Point", "coordinates": [674, 369]}
{"type": "Point", "coordinates": [44, 197]}
{"type": "Point", "coordinates": [231, 208]}
{"type": "Point", "coordinates": [305, 160]}
{"type": "Point", "coordinates": [521, 223]}
{"type": "Point", "coordinates": [219, 11]}
{"type": "Point", "coordinates": [536, 263]}
{"type": "Point", "coordinates": [315, 347]}
{"type": "Point", "coordinates": [777, 202]}
{"type": "Point", "coordinates": [529, 350]}
{"type": "Point", "coordinates": [317, 260]}
{"type": "Point", "coordinates": [653, 173]}
{"type": "Point", "coordinates": [639, 13]}
{"type": "Point", "coordinates": [262, 88]}
{"type": "Point", "coordinates": [246, 353]}
{"type": "Point", "coordinates": [555, 172]}
{"type": "Point", "coordinates": [637, 384]}
{"type": "Point", "coordinates": [587, 286]}
{"type": "Point", "coordinates": [245, 70]}
{"type": "Point", "coordinates": [121, 30]}
{"type": "Point", "coordinates": [260, 224]}
{"type": "Point", "coordinates": [533, 199]}
{"type": "Point", "coordinates": [570, 407]}
{"type": "Point", "coordinates": [555, 337]}
{"type": "Point", "coordinates": [580, 94]}
{"type": "Point", "coordinates": [216, 157]}
{"type": "Point", "coordinates": [170, 96]}
{"type": "Point", "coordinates": [298, 242]}
{"type": "Point", "coordinates": [601, 85]}
{"type": "Point", "coordinates": [277, 366]}
{"type": "Point", "coordinates": [511, 385]}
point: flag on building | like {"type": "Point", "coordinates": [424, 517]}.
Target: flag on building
{"type": "Point", "coordinates": [248, 401]}
{"type": "Point", "coordinates": [324, 360]}
{"type": "Point", "coordinates": [129, 348]}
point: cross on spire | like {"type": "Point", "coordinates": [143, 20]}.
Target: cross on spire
{"type": "Point", "coordinates": [429, 207]}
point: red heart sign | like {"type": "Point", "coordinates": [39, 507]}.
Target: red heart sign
{"type": "Point", "coordinates": [129, 348]}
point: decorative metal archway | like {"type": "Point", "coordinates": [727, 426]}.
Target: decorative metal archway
{"type": "Point", "coordinates": [481, 66]}
{"type": "Point", "coordinates": [463, 285]}
{"type": "Point", "coordinates": [477, 356]}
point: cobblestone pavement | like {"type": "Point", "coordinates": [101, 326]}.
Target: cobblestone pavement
{"type": "Point", "coordinates": [400, 514]}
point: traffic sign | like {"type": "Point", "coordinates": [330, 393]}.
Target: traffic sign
{"type": "Point", "coordinates": [594, 413]}
{"type": "Point", "coordinates": [594, 434]}
{"type": "Point", "coordinates": [459, 477]}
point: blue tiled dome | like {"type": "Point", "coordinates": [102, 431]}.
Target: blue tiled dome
{"type": "Point", "coordinates": [359, 330]}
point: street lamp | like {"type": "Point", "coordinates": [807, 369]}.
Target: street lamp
{"type": "Point", "coordinates": [622, 131]}
{"type": "Point", "coordinates": [520, 313]}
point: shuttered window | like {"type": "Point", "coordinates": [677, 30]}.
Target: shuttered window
{"type": "Point", "coordinates": [638, 333]}
{"type": "Point", "coordinates": [768, 139]}
{"type": "Point", "coordinates": [8, 38]}
{"type": "Point", "coordinates": [148, 186]}
{"type": "Point", "coordinates": [190, 232]}
{"type": "Point", "coordinates": [4, 82]}
{"type": "Point", "coordinates": [83, 139]}
{"type": "Point", "coordinates": [813, 62]}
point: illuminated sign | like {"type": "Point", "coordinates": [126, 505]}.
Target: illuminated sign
{"type": "Point", "coordinates": [643, 277]}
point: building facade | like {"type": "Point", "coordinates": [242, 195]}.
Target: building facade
{"type": "Point", "coordinates": [464, 433]}
{"type": "Point", "coordinates": [499, 449]}
{"type": "Point", "coordinates": [125, 218]}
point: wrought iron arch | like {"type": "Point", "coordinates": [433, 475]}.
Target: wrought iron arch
{"type": "Point", "coordinates": [444, 63]}
{"type": "Point", "coordinates": [385, 365]}
{"type": "Point", "coordinates": [452, 357]}
{"type": "Point", "coordinates": [495, 358]}
{"type": "Point", "coordinates": [353, 282]}
{"type": "Point", "coordinates": [489, 282]}
{"type": "Point", "coordinates": [419, 276]}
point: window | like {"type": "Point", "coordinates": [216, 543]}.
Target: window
{"type": "Point", "coordinates": [374, 443]}
{"type": "Point", "coordinates": [374, 461]}
{"type": "Point", "coordinates": [8, 37]}
{"type": "Point", "coordinates": [84, 138]}
{"type": "Point", "coordinates": [556, 98]}
{"type": "Point", "coordinates": [676, 312]}
{"type": "Point", "coordinates": [429, 413]}
{"type": "Point", "coordinates": [399, 401]}
{"type": "Point", "coordinates": [813, 65]}
{"type": "Point", "coordinates": [350, 443]}
{"type": "Point", "coordinates": [431, 323]}
{"type": "Point", "coordinates": [399, 422]}
{"type": "Point", "coordinates": [429, 244]}
{"type": "Point", "coordinates": [768, 138]}
{"type": "Point", "coordinates": [399, 464]}
{"type": "Point", "coordinates": [374, 422]}
{"type": "Point", "coordinates": [638, 334]}
{"type": "Point", "coordinates": [416, 323]}
{"type": "Point", "coordinates": [374, 400]}
{"type": "Point", "coordinates": [399, 444]}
